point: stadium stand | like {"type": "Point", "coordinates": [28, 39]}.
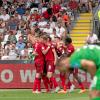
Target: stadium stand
{"type": "Point", "coordinates": [19, 18]}
{"type": "Point", "coordinates": [82, 29]}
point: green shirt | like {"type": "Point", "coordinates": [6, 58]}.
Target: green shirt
{"type": "Point", "coordinates": [90, 52]}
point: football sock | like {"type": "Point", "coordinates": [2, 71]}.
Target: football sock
{"type": "Point", "coordinates": [46, 82]}
{"type": "Point", "coordinates": [35, 84]}
{"type": "Point", "coordinates": [53, 80]}
{"type": "Point", "coordinates": [63, 80]}
{"type": "Point", "coordinates": [81, 86]}
{"type": "Point", "coordinates": [39, 84]}
{"type": "Point", "coordinates": [69, 84]}
{"type": "Point", "coordinates": [50, 84]}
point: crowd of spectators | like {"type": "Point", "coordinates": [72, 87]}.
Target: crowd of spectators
{"type": "Point", "coordinates": [19, 18]}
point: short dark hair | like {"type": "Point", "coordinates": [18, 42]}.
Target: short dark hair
{"type": "Point", "coordinates": [68, 40]}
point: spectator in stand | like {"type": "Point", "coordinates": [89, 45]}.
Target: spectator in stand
{"type": "Point", "coordinates": [24, 54]}
{"type": "Point", "coordinates": [48, 13]}
{"type": "Point", "coordinates": [12, 24]}
{"type": "Point", "coordinates": [53, 35]}
{"type": "Point", "coordinates": [48, 29]}
{"type": "Point", "coordinates": [73, 4]}
{"type": "Point", "coordinates": [35, 3]}
{"type": "Point", "coordinates": [17, 17]}
{"type": "Point", "coordinates": [92, 39]}
{"type": "Point", "coordinates": [45, 1]}
{"type": "Point", "coordinates": [36, 15]}
{"type": "Point", "coordinates": [20, 10]}
{"type": "Point", "coordinates": [42, 23]}
{"type": "Point", "coordinates": [86, 5]}
{"type": "Point", "coordinates": [60, 31]}
{"type": "Point", "coordinates": [34, 18]}
{"type": "Point", "coordinates": [26, 16]}
{"type": "Point", "coordinates": [22, 26]}
{"type": "Point", "coordinates": [29, 47]}
{"type": "Point", "coordinates": [10, 52]}
{"type": "Point", "coordinates": [20, 45]}
{"type": "Point", "coordinates": [12, 37]}
{"type": "Point", "coordinates": [2, 26]}
{"type": "Point", "coordinates": [66, 21]}
{"type": "Point", "coordinates": [90, 4]}
{"type": "Point", "coordinates": [53, 22]}
{"type": "Point", "coordinates": [4, 16]}
{"type": "Point", "coordinates": [56, 8]}
{"type": "Point", "coordinates": [5, 39]}
{"type": "Point", "coordinates": [5, 51]}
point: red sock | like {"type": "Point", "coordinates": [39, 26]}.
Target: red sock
{"type": "Point", "coordinates": [53, 80]}
{"type": "Point", "coordinates": [39, 84]}
{"type": "Point", "coordinates": [35, 84]}
{"type": "Point", "coordinates": [81, 86]}
{"type": "Point", "coordinates": [50, 84]}
{"type": "Point", "coordinates": [69, 84]}
{"type": "Point", "coordinates": [63, 80]}
{"type": "Point", "coordinates": [46, 82]}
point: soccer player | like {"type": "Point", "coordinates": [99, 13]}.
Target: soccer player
{"type": "Point", "coordinates": [88, 59]}
{"type": "Point", "coordinates": [50, 58]}
{"type": "Point", "coordinates": [39, 64]}
{"type": "Point", "coordinates": [60, 50]}
{"type": "Point", "coordinates": [69, 50]}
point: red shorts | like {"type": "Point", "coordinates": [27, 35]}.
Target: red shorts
{"type": "Point", "coordinates": [50, 66]}
{"type": "Point", "coordinates": [39, 66]}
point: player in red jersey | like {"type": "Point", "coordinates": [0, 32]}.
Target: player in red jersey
{"type": "Point", "coordinates": [50, 58]}
{"type": "Point", "coordinates": [60, 49]}
{"type": "Point", "coordinates": [39, 64]}
{"type": "Point", "coordinates": [69, 50]}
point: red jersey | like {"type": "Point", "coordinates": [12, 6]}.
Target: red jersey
{"type": "Point", "coordinates": [60, 50]}
{"type": "Point", "coordinates": [56, 8]}
{"type": "Point", "coordinates": [46, 15]}
{"type": "Point", "coordinates": [38, 47]}
{"type": "Point", "coordinates": [35, 16]}
{"type": "Point", "coordinates": [73, 5]}
{"type": "Point", "coordinates": [49, 55]}
{"type": "Point", "coordinates": [70, 49]}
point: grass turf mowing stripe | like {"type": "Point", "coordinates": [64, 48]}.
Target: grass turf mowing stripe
{"type": "Point", "coordinates": [27, 95]}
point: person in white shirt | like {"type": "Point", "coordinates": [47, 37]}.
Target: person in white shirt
{"type": "Point", "coordinates": [10, 52]}
{"type": "Point", "coordinates": [5, 16]}
{"type": "Point", "coordinates": [92, 39]}
{"type": "Point", "coordinates": [48, 30]}
{"type": "Point", "coordinates": [5, 39]}
{"type": "Point", "coordinates": [42, 23]}
{"type": "Point", "coordinates": [60, 30]}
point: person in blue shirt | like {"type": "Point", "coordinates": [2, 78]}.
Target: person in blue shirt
{"type": "Point", "coordinates": [20, 10]}
{"type": "Point", "coordinates": [20, 44]}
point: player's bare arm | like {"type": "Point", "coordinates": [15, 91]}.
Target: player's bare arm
{"type": "Point", "coordinates": [89, 66]}
{"type": "Point", "coordinates": [46, 50]}
{"type": "Point", "coordinates": [35, 53]}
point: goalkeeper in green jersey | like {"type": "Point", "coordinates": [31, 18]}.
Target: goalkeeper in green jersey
{"type": "Point", "coordinates": [86, 58]}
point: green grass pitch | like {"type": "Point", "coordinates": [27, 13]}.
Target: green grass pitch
{"type": "Point", "coordinates": [27, 95]}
